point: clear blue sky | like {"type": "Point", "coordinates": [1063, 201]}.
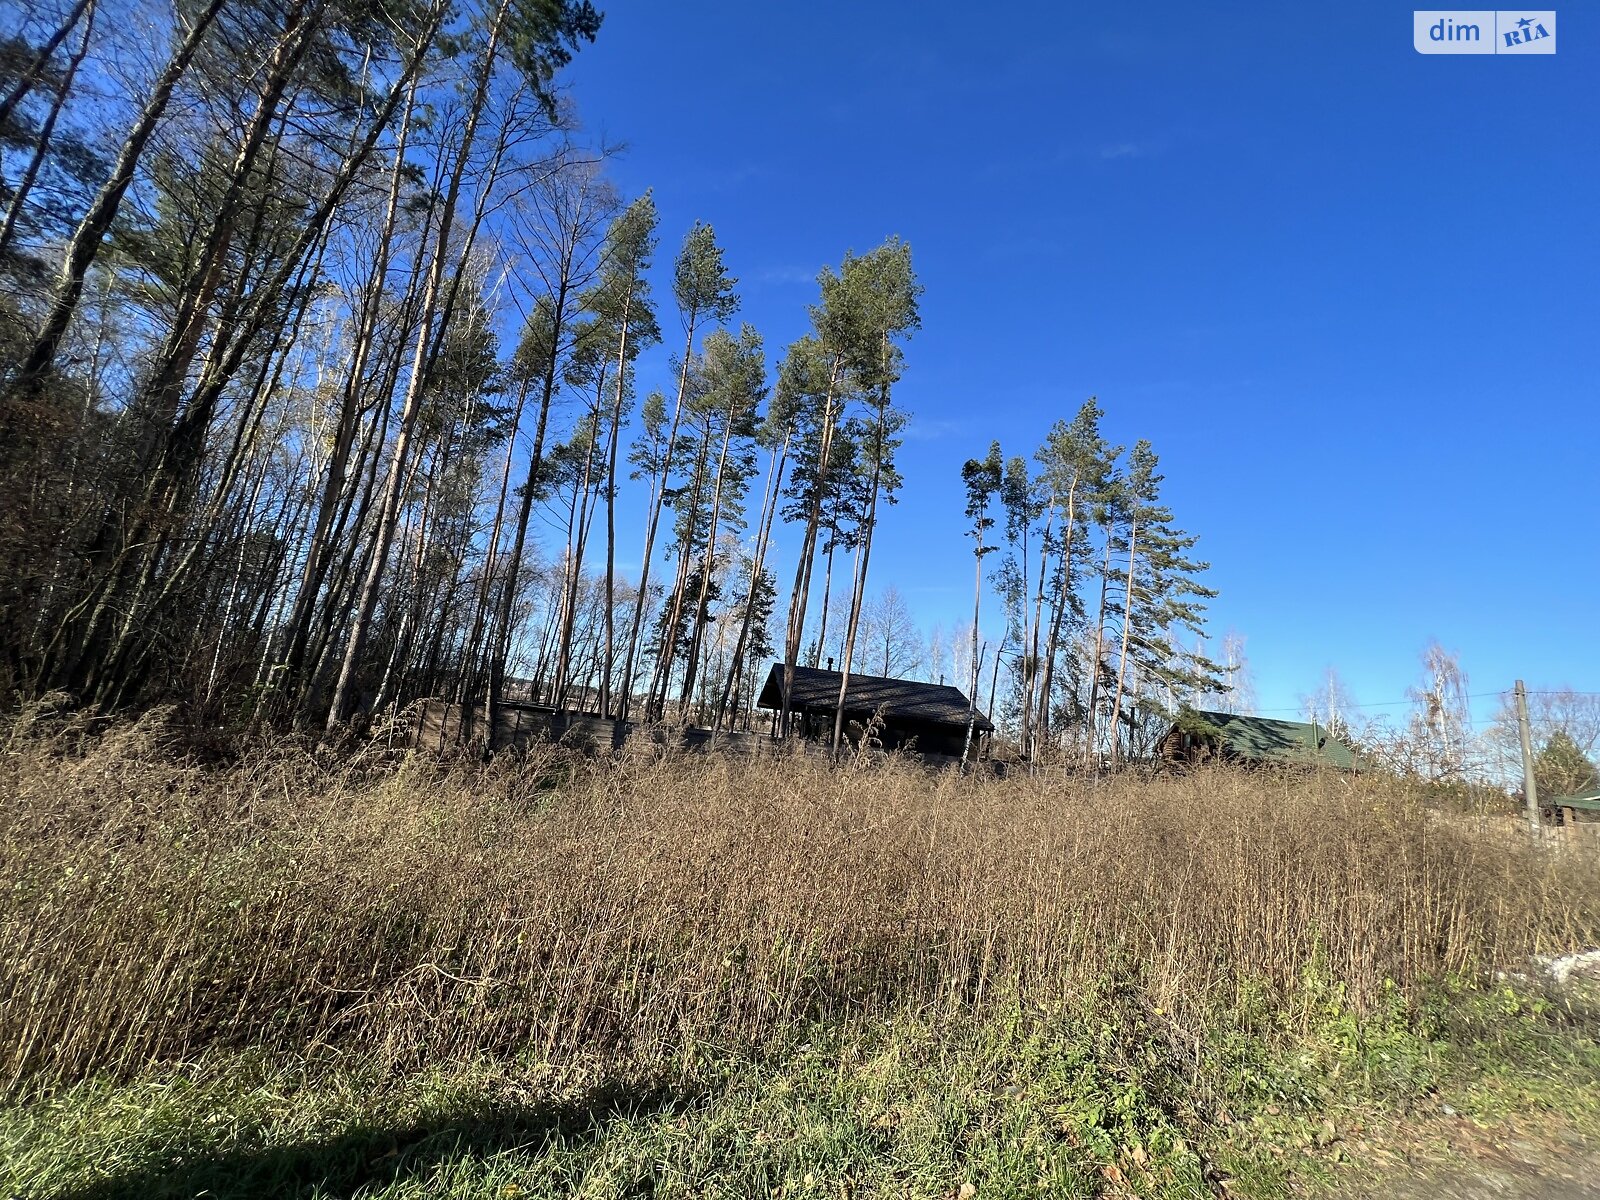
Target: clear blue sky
{"type": "Point", "coordinates": [1350, 292]}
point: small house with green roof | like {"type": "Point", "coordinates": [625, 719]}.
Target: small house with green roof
{"type": "Point", "coordinates": [1568, 810]}
{"type": "Point", "coordinates": [1199, 737]}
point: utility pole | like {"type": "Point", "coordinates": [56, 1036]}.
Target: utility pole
{"type": "Point", "coordinates": [1530, 789]}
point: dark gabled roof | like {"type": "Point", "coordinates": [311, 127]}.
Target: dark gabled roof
{"type": "Point", "coordinates": [901, 699]}
{"type": "Point", "coordinates": [1264, 739]}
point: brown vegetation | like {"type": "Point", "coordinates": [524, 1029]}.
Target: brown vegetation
{"type": "Point", "coordinates": [568, 909]}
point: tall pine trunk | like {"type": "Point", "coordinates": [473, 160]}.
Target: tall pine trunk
{"type": "Point", "coordinates": [1127, 626]}
{"type": "Point", "coordinates": [609, 665]}
{"type": "Point", "coordinates": [863, 558]}
{"type": "Point", "coordinates": [972, 683]}
{"type": "Point", "coordinates": [657, 500]}
{"type": "Point", "coordinates": [1033, 718]}
{"type": "Point", "coordinates": [473, 651]}
{"type": "Point", "coordinates": [857, 596]}
{"type": "Point", "coordinates": [661, 681]}
{"type": "Point", "coordinates": [315, 570]}
{"type": "Point", "coordinates": [769, 507]}
{"type": "Point", "coordinates": [1092, 730]}
{"type": "Point", "coordinates": [1058, 609]}
{"type": "Point", "coordinates": [808, 549]}
{"type": "Point", "coordinates": [578, 539]}
{"type": "Point", "coordinates": [708, 563]}
{"type": "Point", "coordinates": [343, 700]}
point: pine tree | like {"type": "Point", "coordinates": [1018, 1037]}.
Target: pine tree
{"type": "Point", "coordinates": [1160, 591]}
{"type": "Point", "coordinates": [867, 308]}
{"type": "Point", "coordinates": [1022, 508]}
{"type": "Point", "coordinates": [735, 385]}
{"type": "Point", "coordinates": [1075, 468]}
{"type": "Point", "coordinates": [622, 300]}
{"type": "Point", "coordinates": [983, 478]}
{"type": "Point", "coordinates": [704, 291]}
{"type": "Point", "coordinates": [1561, 769]}
{"type": "Point", "coordinates": [565, 254]}
{"type": "Point", "coordinates": [776, 434]}
{"type": "Point", "coordinates": [892, 316]}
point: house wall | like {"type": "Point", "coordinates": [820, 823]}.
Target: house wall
{"type": "Point", "coordinates": [1185, 748]}
{"type": "Point", "coordinates": [948, 740]}
{"type": "Point", "coordinates": [440, 726]}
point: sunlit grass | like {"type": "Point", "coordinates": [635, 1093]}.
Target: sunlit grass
{"type": "Point", "coordinates": [307, 974]}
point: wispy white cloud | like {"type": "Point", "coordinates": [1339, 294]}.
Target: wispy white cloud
{"type": "Point", "coordinates": [1135, 148]}
{"type": "Point", "coordinates": [932, 429]}
{"type": "Point", "coordinates": [1032, 162]}
{"type": "Point", "coordinates": [786, 275]}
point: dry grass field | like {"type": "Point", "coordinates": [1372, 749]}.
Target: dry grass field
{"type": "Point", "coordinates": [307, 973]}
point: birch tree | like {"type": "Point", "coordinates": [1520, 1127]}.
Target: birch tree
{"type": "Point", "coordinates": [1440, 722]}
{"type": "Point", "coordinates": [889, 631]}
{"type": "Point", "coordinates": [557, 235]}
{"type": "Point", "coordinates": [343, 699]}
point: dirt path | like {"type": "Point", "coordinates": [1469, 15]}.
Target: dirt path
{"type": "Point", "coordinates": [1518, 1161]}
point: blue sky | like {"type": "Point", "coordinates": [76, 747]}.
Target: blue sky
{"type": "Point", "coordinates": [1349, 291]}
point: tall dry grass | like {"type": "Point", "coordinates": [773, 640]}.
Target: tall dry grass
{"type": "Point", "coordinates": [562, 908]}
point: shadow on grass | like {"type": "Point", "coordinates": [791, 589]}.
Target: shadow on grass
{"type": "Point", "coordinates": [366, 1157]}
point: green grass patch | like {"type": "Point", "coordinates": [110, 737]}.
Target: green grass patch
{"type": "Point", "coordinates": [1104, 1096]}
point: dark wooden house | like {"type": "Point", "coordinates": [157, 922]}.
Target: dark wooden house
{"type": "Point", "coordinates": [930, 718]}
{"type": "Point", "coordinates": [1199, 737]}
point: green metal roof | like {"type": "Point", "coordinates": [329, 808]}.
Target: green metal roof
{"type": "Point", "coordinates": [1589, 799]}
{"type": "Point", "coordinates": [1263, 739]}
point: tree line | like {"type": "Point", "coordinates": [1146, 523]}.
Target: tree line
{"type": "Point", "coordinates": [322, 338]}
{"type": "Point", "coordinates": [321, 385]}
{"type": "Point", "coordinates": [1432, 736]}
{"type": "Point", "coordinates": [1099, 591]}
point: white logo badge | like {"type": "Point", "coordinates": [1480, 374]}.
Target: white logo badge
{"type": "Point", "coordinates": [1484, 31]}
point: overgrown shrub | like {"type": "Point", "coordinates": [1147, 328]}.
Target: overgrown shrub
{"type": "Point", "coordinates": [564, 909]}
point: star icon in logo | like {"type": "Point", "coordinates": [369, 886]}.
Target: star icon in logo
{"type": "Point", "coordinates": [1525, 22]}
